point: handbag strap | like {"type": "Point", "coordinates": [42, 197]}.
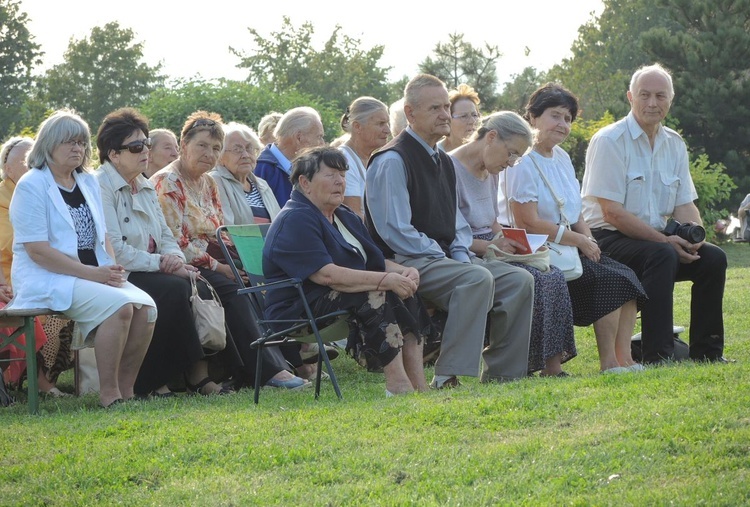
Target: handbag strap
{"type": "Point", "coordinates": [195, 277]}
{"type": "Point", "coordinates": [560, 202]}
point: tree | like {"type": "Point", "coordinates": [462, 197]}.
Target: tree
{"type": "Point", "coordinates": [18, 55]}
{"type": "Point", "coordinates": [709, 55]}
{"type": "Point", "coordinates": [605, 54]}
{"type": "Point", "coordinates": [101, 73]}
{"type": "Point", "coordinates": [516, 92]}
{"type": "Point", "coordinates": [458, 61]}
{"type": "Point", "coordinates": [339, 73]}
{"type": "Point", "coordinates": [234, 100]}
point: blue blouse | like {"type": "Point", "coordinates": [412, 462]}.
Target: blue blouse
{"type": "Point", "coordinates": [300, 242]}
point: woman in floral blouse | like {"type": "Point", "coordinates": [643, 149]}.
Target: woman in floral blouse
{"type": "Point", "coordinates": [191, 204]}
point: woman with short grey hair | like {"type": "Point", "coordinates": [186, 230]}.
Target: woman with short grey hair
{"type": "Point", "coordinates": [66, 262]}
{"type": "Point", "coordinates": [245, 198]}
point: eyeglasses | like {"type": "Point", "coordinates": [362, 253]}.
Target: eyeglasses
{"type": "Point", "coordinates": [241, 150]}
{"type": "Point", "coordinates": [474, 117]}
{"type": "Point", "coordinates": [70, 143]}
{"type": "Point", "coordinates": [205, 122]}
{"type": "Point", "coordinates": [137, 146]}
{"type": "Point", "coordinates": [513, 157]}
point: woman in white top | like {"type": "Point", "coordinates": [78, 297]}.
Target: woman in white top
{"type": "Point", "coordinates": [366, 121]}
{"type": "Point", "coordinates": [66, 262]}
{"type": "Point", "coordinates": [245, 198]}
{"type": "Point", "coordinates": [607, 292]}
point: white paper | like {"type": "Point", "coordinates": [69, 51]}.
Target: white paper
{"type": "Point", "coordinates": [536, 240]}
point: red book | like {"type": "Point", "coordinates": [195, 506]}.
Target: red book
{"type": "Point", "coordinates": [518, 235]}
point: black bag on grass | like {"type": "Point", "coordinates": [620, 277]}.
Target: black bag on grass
{"type": "Point", "coordinates": [681, 349]}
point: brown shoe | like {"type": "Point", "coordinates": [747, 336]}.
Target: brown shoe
{"type": "Point", "coordinates": [450, 383]}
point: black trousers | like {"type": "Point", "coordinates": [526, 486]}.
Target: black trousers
{"type": "Point", "coordinates": [658, 268]}
{"type": "Point", "coordinates": [243, 330]}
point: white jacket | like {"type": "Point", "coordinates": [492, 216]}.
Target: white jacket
{"type": "Point", "coordinates": [39, 213]}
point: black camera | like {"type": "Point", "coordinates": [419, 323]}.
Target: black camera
{"type": "Point", "coordinates": [689, 232]}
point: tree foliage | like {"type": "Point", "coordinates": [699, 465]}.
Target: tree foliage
{"type": "Point", "coordinates": [709, 56]}
{"type": "Point", "coordinates": [101, 73]}
{"type": "Point", "coordinates": [458, 61]}
{"type": "Point", "coordinates": [339, 72]}
{"type": "Point", "coordinates": [233, 100]}
{"type": "Point", "coordinates": [516, 93]}
{"type": "Point", "coordinates": [18, 55]}
{"type": "Point", "coordinates": [605, 54]}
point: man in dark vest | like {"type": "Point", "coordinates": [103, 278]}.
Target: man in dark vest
{"type": "Point", "coordinates": [412, 212]}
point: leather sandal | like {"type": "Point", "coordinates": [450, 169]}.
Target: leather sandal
{"type": "Point", "coordinates": [198, 388]}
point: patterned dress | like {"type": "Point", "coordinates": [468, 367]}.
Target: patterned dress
{"type": "Point", "coordinates": [552, 331]}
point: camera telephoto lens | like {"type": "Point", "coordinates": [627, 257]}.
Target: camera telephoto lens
{"type": "Point", "coordinates": [693, 233]}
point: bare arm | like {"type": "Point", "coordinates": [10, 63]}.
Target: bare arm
{"type": "Point", "coordinates": [354, 280]}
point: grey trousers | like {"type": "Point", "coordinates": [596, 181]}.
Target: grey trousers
{"type": "Point", "coordinates": [469, 292]}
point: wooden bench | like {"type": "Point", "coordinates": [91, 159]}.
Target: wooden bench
{"type": "Point", "coordinates": [22, 322]}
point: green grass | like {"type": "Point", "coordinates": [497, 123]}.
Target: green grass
{"type": "Point", "coordinates": [676, 435]}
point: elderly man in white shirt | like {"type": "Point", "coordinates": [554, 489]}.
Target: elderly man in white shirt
{"type": "Point", "coordinates": [637, 176]}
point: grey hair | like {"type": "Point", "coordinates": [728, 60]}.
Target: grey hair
{"type": "Point", "coordinates": [6, 149]}
{"type": "Point", "coordinates": [360, 111]}
{"type": "Point", "coordinates": [244, 131]}
{"type": "Point", "coordinates": [63, 125]}
{"type": "Point", "coordinates": [649, 69]}
{"type": "Point", "coordinates": [416, 84]}
{"type": "Point", "coordinates": [268, 124]}
{"type": "Point", "coordinates": [158, 134]}
{"type": "Point", "coordinates": [296, 120]}
{"type": "Point", "coordinates": [507, 124]}
{"type": "Point", "coordinates": [398, 117]}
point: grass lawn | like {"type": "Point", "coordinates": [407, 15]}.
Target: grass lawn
{"type": "Point", "coordinates": [675, 435]}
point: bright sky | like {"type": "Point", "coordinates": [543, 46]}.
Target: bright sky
{"type": "Point", "coordinates": [192, 38]}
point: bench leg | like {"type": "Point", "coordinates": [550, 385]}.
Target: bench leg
{"type": "Point", "coordinates": [31, 364]}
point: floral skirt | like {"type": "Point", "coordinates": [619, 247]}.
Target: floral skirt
{"type": "Point", "coordinates": [382, 319]}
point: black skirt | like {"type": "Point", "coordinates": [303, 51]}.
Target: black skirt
{"type": "Point", "coordinates": [603, 287]}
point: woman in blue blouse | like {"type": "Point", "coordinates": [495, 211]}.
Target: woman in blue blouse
{"type": "Point", "coordinates": [316, 239]}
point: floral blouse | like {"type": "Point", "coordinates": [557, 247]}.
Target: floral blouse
{"type": "Point", "coordinates": [192, 214]}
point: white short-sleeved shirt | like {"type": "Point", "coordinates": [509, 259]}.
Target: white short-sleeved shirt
{"type": "Point", "coordinates": [355, 176]}
{"type": "Point", "coordinates": [622, 167]}
{"type": "Point", "coordinates": [524, 184]}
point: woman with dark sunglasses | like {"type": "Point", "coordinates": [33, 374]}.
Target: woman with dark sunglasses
{"type": "Point", "coordinates": [145, 247]}
{"type": "Point", "coordinates": [191, 204]}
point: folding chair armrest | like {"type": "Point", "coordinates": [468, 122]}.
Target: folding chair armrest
{"type": "Point", "coordinates": [280, 284]}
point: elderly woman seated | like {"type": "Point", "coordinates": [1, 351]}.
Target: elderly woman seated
{"type": "Point", "coordinates": [192, 210]}
{"type": "Point", "coordinates": [327, 246]}
{"type": "Point", "coordinates": [245, 198]}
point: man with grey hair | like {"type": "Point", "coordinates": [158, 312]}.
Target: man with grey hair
{"type": "Point", "coordinates": [412, 213]}
{"type": "Point", "coordinates": [637, 176]}
{"type": "Point", "coordinates": [298, 128]}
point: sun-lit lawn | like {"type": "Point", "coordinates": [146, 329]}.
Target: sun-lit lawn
{"type": "Point", "coordinates": [673, 435]}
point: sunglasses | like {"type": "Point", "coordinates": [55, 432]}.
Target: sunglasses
{"type": "Point", "coordinates": [137, 146]}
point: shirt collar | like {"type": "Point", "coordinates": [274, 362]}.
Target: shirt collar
{"type": "Point", "coordinates": [284, 162]}
{"type": "Point", "coordinates": [421, 141]}
{"type": "Point", "coordinates": [635, 129]}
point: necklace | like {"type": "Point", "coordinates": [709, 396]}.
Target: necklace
{"type": "Point", "coordinates": [196, 194]}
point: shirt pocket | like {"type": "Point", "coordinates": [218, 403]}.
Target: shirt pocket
{"type": "Point", "coordinates": [636, 194]}
{"type": "Point", "coordinates": [667, 193]}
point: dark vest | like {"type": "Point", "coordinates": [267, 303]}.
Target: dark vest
{"type": "Point", "coordinates": [432, 193]}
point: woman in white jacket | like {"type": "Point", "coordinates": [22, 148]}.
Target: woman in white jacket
{"type": "Point", "coordinates": [65, 262]}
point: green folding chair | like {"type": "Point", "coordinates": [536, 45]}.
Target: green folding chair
{"type": "Point", "coordinates": [249, 241]}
